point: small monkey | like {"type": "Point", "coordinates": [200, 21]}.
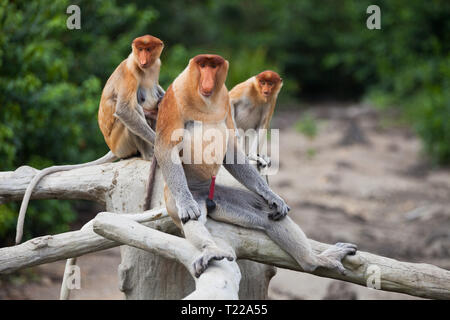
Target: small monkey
{"type": "Point", "coordinates": [253, 102]}
{"type": "Point", "coordinates": [198, 100]}
{"type": "Point", "coordinates": [128, 104]}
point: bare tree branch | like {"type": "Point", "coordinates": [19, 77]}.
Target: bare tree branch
{"type": "Point", "coordinates": [219, 281]}
{"type": "Point", "coordinates": [417, 279]}
{"type": "Point", "coordinates": [100, 183]}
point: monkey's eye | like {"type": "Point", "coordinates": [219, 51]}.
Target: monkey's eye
{"type": "Point", "coordinates": [202, 65]}
{"type": "Point", "coordinates": [262, 82]}
{"type": "Point", "coordinates": [213, 66]}
{"type": "Point", "coordinates": [140, 49]}
{"type": "Point", "coordinates": [148, 49]}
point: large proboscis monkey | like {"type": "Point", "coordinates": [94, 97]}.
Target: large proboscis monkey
{"type": "Point", "coordinates": [252, 103]}
{"type": "Point", "coordinates": [129, 102]}
{"type": "Point", "coordinates": [198, 101]}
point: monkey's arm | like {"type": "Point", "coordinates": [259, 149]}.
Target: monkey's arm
{"type": "Point", "coordinates": [265, 121]}
{"type": "Point", "coordinates": [263, 126]}
{"type": "Point", "coordinates": [127, 111]}
{"type": "Point", "coordinates": [170, 123]}
{"type": "Point", "coordinates": [250, 178]}
{"type": "Point", "coordinates": [239, 167]}
{"type": "Point", "coordinates": [160, 92]}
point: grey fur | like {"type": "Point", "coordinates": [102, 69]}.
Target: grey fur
{"type": "Point", "coordinates": [109, 157]}
{"type": "Point", "coordinates": [134, 120]}
{"type": "Point", "coordinates": [260, 208]}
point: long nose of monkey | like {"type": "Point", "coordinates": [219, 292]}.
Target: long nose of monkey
{"type": "Point", "coordinates": [207, 88]}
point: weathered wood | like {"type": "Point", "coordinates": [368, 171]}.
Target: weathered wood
{"type": "Point", "coordinates": [219, 281]}
{"type": "Point", "coordinates": [417, 279]}
{"type": "Point", "coordinates": [122, 187]}
{"type": "Point", "coordinates": [61, 246]}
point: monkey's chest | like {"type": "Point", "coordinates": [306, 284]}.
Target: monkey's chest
{"type": "Point", "coordinates": [147, 97]}
{"type": "Point", "coordinates": [204, 148]}
{"type": "Point", "coordinates": [248, 116]}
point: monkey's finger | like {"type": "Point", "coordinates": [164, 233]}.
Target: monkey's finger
{"type": "Point", "coordinates": [273, 216]}
{"type": "Point", "coordinates": [197, 270]}
{"type": "Point", "coordinates": [220, 257]}
{"type": "Point", "coordinates": [198, 267]}
{"type": "Point", "coordinates": [349, 248]}
{"type": "Point", "coordinates": [341, 269]}
{"type": "Point", "coordinates": [193, 214]}
{"type": "Point", "coordinates": [279, 215]}
{"type": "Point", "coordinates": [350, 251]}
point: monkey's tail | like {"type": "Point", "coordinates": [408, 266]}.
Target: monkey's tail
{"type": "Point", "coordinates": [64, 294]}
{"type": "Point", "coordinates": [109, 157]}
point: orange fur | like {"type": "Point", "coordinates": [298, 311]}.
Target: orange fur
{"type": "Point", "coordinates": [192, 98]}
{"type": "Point", "coordinates": [123, 83]}
{"type": "Point", "coordinates": [260, 91]}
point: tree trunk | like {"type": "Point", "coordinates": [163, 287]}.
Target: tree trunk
{"type": "Point", "coordinates": [143, 275]}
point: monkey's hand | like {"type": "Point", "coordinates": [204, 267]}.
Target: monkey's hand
{"type": "Point", "coordinates": [275, 200]}
{"type": "Point", "coordinates": [188, 209]}
{"type": "Point", "coordinates": [262, 161]}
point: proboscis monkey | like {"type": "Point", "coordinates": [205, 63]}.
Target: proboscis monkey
{"type": "Point", "coordinates": [195, 115]}
{"type": "Point", "coordinates": [129, 102]}
{"type": "Point", "coordinates": [252, 103]}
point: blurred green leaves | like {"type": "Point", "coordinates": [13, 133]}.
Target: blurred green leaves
{"type": "Point", "coordinates": [51, 77]}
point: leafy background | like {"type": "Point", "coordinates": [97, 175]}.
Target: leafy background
{"type": "Point", "coordinates": [51, 77]}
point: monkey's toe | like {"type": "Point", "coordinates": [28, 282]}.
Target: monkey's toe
{"type": "Point", "coordinates": [202, 263]}
{"type": "Point", "coordinates": [332, 257]}
{"type": "Point", "coordinates": [277, 215]}
{"type": "Point", "coordinates": [348, 248]}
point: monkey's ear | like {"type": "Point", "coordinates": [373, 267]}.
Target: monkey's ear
{"type": "Point", "coordinates": [226, 66]}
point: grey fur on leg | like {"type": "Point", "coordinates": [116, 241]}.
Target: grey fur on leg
{"type": "Point", "coordinates": [251, 179]}
{"type": "Point", "coordinates": [332, 257]}
{"type": "Point", "coordinates": [134, 120]}
{"type": "Point", "coordinates": [145, 149]}
{"type": "Point", "coordinates": [246, 209]}
{"type": "Point", "coordinates": [175, 179]}
{"type": "Point", "coordinates": [197, 234]}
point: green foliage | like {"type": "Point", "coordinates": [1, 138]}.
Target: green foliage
{"type": "Point", "coordinates": [51, 77]}
{"type": "Point", "coordinates": [307, 125]}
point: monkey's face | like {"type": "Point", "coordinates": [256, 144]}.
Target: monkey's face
{"type": "Point", "coordinates": [146, 50]}
{"type": "Point", "coordinates": [268, 83]}
{"type": "Point", "coordinates": [211, 69]}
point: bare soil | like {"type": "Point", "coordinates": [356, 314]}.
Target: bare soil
{"type": "Point", "coordinates": [357, 181]}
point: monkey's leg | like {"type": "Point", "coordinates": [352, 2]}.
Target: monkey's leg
{"type": "Point", "coordinates": [134, 120]}
{"type": "Point", "coordinates": [232, 207]}
{"type": "Point", "coordinates": [197, 234]}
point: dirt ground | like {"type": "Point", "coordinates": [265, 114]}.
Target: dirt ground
{"type": "Point", "coordinates": [357, 181]}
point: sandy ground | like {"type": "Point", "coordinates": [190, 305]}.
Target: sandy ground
{"type": "Point", "coordinates": [357, 181]}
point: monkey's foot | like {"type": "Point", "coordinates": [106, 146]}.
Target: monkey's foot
{"type": "Point", "coordinates": [189, 210]}
{"type": "Point", "coordinates": [209, 254]}
{"type": "Point", "coordinates": [332, 257]}
{"type": "Point", "coordinates": [262, 161]}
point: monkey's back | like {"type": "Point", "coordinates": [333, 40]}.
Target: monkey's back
{"type": "Point", "coordinates": [115, 133]}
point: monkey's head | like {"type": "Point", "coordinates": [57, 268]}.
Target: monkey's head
{"type": "Point", "coordinates": [146, 50]}
{"type": "Point", "coordinates": [268, 83]}
{"type": "Point", "coordinates": [211, 71]}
